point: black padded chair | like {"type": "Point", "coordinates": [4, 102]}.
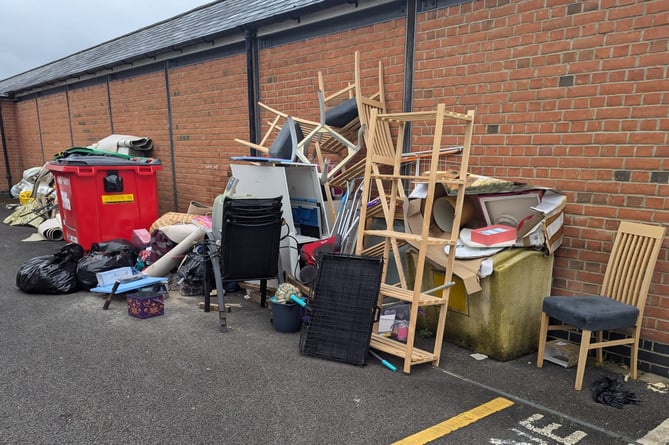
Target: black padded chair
{"type": "Point", "coordinates": [249, 246]}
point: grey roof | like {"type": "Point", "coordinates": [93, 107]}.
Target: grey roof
{"type": "Point", "coordinates": [212, 19]}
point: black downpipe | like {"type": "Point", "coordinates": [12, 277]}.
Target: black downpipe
{"type": "Point", "coordinates": [109, 106]}
{"type": "Point", "coordinates": [39, 128]}
{"type": "Point", "coordinates": [69, 115]}
{"type": "Point", "coordinates": [409, 56]}
{"type": "Point", "coordinates": [5, 152]}
{"type": "Point", "coordinates": [409, 66]}
{"type": "Point", "coordinates": [169, 128]}
{"type": "Point", "coordinates": [252, 82]}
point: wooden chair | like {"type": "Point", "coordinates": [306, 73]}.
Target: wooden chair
{"type": "Point", "coordinates": [620, 305]}
{"type": "Point", "coordinates": [336, 133]}
{"type": "Point", "coordinates": [285, 134]}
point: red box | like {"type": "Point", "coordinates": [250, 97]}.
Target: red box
{"type": "Point", "coordinates": [102, 198]}
{"type": "Point", "coordinates": [494, 234]}
{"type": "Point", "coordinates": [147, 302]}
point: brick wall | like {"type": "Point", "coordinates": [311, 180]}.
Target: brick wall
{"type": "Point", "coordinates": [571, 96]}
{"type": "Point", "coordinates": [54, 124]}
{"type": "Point", "coordinates": [289, 73]}
{"type": "Point", "coordinates": [209, 109]}
{"type": "Point", "coordinates": [139, 108]}
{"type": "Point", "coordinates": [29, 143]}
{"type": "Point", "coordinates": [89, 114]}
{"type": "Point", "coordinates": [8, 179]}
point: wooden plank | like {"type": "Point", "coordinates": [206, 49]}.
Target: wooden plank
{"type": "Point", "coordinates": [214, 306]}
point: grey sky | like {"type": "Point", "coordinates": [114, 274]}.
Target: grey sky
{"type": "Point", "coordinates": [36, 32]}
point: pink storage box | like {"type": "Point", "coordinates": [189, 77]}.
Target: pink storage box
{"type": "Point", "coordinates": [494, 234]}
{"type": "Point", "coordinates": [141, 238]}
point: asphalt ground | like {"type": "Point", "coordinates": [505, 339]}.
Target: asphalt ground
{"type": "Point", "coordinates": [72, 373]}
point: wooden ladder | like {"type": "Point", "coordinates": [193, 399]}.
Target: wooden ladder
{"type": "Point", "coordinates": [384, 156]}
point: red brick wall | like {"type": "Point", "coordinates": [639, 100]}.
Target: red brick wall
{"type": "Point", "coordinates": [54, 123]}
{"type": "Point", "coordinates": [89, 113]}
{"type": "Point", "coordinates": [139, 108]}
{"type": "Point", "coordinates": [571, 96]}
{"type": "Point", "coordinates": [289, 73]}
{"type": "Point", "coordinates": [28, 144]}
{"type": "Point", "coordinates": [209, 109]}
{"type": "Point", "coordinates": [8, 179]}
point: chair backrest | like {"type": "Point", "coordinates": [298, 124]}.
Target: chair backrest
{"type": "Point", "coordinates": [285, 144]}
{"type": "Point", "coordinates": [630, 268]}
{"type": "Point", "coordinates": [367, 103]}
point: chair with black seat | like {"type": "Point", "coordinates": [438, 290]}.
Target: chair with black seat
{"type": "Point", "coordinates": [250, 237]}
{"type": "Point", "coordinates": [619, 307]}
{"type": "Point", "coordinates": [287, 135]}
{"type": "Point", "coordinates": [242, 245]}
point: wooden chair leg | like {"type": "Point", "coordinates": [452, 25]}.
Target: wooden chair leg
{"type": "Point", "coordinates": [543, 332]}
{"type": "Point", "coordinates": [599, 351]}
{"type": "Point", "coordinates": [582, 358]}
{"type": "Point", "coordinates": [634, 353]}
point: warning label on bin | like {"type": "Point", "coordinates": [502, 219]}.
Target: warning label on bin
{"type": "Point", "coordinates": [116, 199]}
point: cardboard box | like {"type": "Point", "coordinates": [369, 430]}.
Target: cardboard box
{"type": "Point", "coordinates": [147, 302]}
{"type": "Point", "coordinates": [493, 234]}
{"type": "Point", "coordinates": [544, 228]}
{"type": "Point", "coordinates": [561, 352]}
{"type": "Point", "coordinates": [110, 276]}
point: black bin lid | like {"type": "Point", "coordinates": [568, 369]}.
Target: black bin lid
{"type": "Point", "coordinates": [76, 159]}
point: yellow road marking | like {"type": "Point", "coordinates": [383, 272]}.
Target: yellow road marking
{"type": "Point", "coordinates": [457, 422]}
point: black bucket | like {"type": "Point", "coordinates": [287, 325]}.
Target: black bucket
{"type": "Point", "coordinates": [286, 317]}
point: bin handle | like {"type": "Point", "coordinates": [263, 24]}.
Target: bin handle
{"type": "Point", "coordinates": [85, 171]}
{"type": "Point", "coordinates": [144, 170]}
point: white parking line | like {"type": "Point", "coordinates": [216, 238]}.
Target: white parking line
{"type": "Point", "coordinates": [657, 436]}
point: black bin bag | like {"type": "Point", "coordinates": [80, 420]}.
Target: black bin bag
{"type": "Point", "coordinates": [51, 274]}
{"type": "Point", "coordinates": [102, 257]}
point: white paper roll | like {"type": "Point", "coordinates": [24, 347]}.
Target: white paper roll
{"type": "Point", "coordinates": [179, 232]}
{"type": "Point", "coordinates": [171, 259]}
{"type": "Point", "coordinates": [51, 229]}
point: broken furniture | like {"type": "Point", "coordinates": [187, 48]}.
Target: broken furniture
{"type": "Point", "coordinates": [248, 249]}
{"type": "Point", "coordinates": [339, 151]}
{"type": "Point", "coordinates": [337, 131]}
{"type": "Point", "coordinates": [285, 142]}
{"type": "Point", "coordinates": [352, 169]}
{"type": "Point", "coordinates": [384, 154]}
{"type": "Point", "coordinates": [302, 202]}
{"type": "Point", "coordinates": [621, 302]}
{"type": "Point", "coordinates": [342, 308]}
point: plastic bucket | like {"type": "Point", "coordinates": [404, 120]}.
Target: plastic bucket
{"type": "Point", "coordinates": [25, 197]}
{"type": "Point", "coordinates": [286, 317]}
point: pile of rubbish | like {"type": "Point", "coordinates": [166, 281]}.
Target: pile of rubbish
{"type": "Point", "coordinates": [38, 204]}
{"type": "Point", "coordinates": [71, 269]}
